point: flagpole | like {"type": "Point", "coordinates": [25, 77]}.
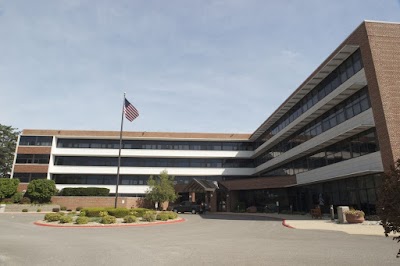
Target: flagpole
{"type": "Point", "coordinates": [119, 153]}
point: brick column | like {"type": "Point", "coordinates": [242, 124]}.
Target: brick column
{"type": "Point", "coordinates": [232, 200]}
{"type": "Point", "coordinates": [213, 201]}
{"type": "Point", "coordinates": [192, 196]}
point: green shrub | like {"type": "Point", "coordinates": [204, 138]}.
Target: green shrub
{"type": "Point", "coordinates": [73, 212]}
{"type": "Point", "coordinates": [25, 200]}
{"type": "Point", "coordinates": [17, 197]}
{"type": "Point", "coordinates": [63, 208]}
{"type": "Point", "coordinates": [8, 187]}
{"type": "Point", "coordinates": [8, 201]}
{"type": "Point", "coordinates": [172, 215]}
{"type": "Point", "coordinates": [82, 220]}
{"type": "Point", "coordinates": [95, 219]}
{"type": "Point", "coordinates": [118, 212]}
{"type": "Point", "coordinates": [53, 217]}
{"type": "Point", "coordinates": [94, 211]}
{"type": "Point", "coordinates": [108, 219]}
{"type": "Point", "coordinates": [149, 216]}
{"type": "Point", "coordinates": [65, 219]}
{"type": "Point", "coordinates": [103, 213]}
{"type": "Point", "coordinates": [85, 191]}
{"type": "Point", "coordinates": [24, 210]}
{"type": "Point", "coordinates": [56, 209]}
{"type": "Point", "coordinates": [41, 190]}
{"type": "Point", "coordinates": [129, 219]}
{"type": "Point", "coordinates": [38, 210]}
{"type": "Point", "coordinates": [138, 212]}
{"type": "Point", "coordinates": [162, 216]}
{"type": "Point", "coordinates": [82, 214]}
{"type": "Point", "coordinates": [78, 209]}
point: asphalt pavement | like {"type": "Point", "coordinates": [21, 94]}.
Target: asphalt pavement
{"type": "Point", "coordinates": [208, 239]}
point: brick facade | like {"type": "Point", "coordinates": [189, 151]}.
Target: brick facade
{"type": "Point", "coordinates": [31, 168]}
{"type": "Point", "coordinates": [72, 202]}
{"type": "Point", "coordinates": [33, 150]}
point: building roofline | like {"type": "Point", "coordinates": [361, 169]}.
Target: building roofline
{"type": "Point", "coordinates": [309, 78]}
{"type": "Point", "coordinates": [137, 134]}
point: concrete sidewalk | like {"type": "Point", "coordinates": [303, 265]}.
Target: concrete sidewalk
{"type": "Point", "coordinates": [305, 222]}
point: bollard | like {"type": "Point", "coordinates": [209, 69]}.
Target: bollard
{"type": "Point", "coordinates": [332, 213]}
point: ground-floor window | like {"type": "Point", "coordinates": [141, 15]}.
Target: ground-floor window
{"type": "Point", "coordinates": [357, 192]}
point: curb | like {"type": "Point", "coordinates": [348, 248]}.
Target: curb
{"type": "Point", "coordinates": [39, 223]}
{"type": "Point", "coordinates": [287, 225]}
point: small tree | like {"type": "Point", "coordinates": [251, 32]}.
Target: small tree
{"type": "Point", "coordinates": [41, 190]}
{"type": "Point", "coordinates": [8, 141]}
{"type": "Point", "coordinates": [8, 187]}
{"type": "Point", "coordinates": [161, 189]}
{"type": "Point", "coordinates": [388, 206]}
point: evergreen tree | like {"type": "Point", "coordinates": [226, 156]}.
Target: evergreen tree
{"type": "Point", "coordinates": [388, 206]}
{"type": "Point", "coordinates": [8, 141]}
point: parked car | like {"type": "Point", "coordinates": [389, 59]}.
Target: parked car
{"type": "Point", "coordinates": [188, 206]}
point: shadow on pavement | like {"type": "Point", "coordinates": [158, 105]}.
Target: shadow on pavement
{"type": "Point", "coordinates": [238, 217]}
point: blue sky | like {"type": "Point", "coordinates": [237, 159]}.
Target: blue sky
{"type": "Point", "coordinates": [188, 66]}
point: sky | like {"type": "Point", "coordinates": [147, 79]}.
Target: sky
{"type": "Point", "coordinates": [187, 66]}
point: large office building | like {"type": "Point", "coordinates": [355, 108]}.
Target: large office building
{"type": "Point", "coordinates": [328, 143]}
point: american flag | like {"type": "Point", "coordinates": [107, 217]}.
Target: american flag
{"type": "Point", "coordinates": [130, 111]}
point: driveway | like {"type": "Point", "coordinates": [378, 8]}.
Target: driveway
{"type": "Point", "coordinates": [201, 240]}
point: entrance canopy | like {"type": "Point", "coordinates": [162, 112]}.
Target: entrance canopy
{"type": "Point", "coordinates": [201, 186]}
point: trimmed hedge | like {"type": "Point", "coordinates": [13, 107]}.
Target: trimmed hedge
{"type": "Point", "coordinates": [149, 216]}
{"type": "Point", "coordinates": [93, 212]}
{"type": "Point", "coordinates": [98, 212]}
{"type": "Point", "coordinates": [65, 219]}
{"type": "Point", "coordinates": [85, 191]}
{"type": "Point", "coordinates": [108, 219]}
{"type": "Point", "coordinates": [53, 217]}
{"type": "Point", "coordinates": [129, 219]}
{"type": "Point", "coordinates": [162, 216]}
{"type": "Point", "coordinates": [118, 212]}
{"type": "Point", "coordinates": [82, 220]}
{"type": "Point", "coordinates": [172, 215]}
{"type": "Point", "coordinates": [138, 212]}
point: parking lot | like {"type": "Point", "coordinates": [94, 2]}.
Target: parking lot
{"type": "Point", "coordinates": [202, 240]}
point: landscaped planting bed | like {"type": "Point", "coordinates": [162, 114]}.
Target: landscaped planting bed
{"type": "Point", "coordinates": [108, 216]}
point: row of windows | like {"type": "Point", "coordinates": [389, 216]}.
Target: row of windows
{"type": "Point", "coordinates": [358, 192]}
{"type": "Point", "coordinates": [358, 145]}
{"type": "Point", "coordinates": [33, 158]}
{"type": "Point", "coordinates": [347, 109]}
{"type": "Point", "coordinates": [28, 177]}
{"type": "Point", "coordinates": [124, 179]}
{"type": "Point", "coordinates": [347, 69]}
{"type": "Point", "coordinates": [153, 162]}
{"type": "Point", "coordinates": [35, 141]}
{"type": "Point", "coordinates": [153, 144]}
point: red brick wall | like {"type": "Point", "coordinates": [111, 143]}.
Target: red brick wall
{"type": "Point", "coordinates": [22, 187]}
{"type": "Point", "coordinates": [384, 41]}
{"type": "Point", "coordinates": [72, 202]}
{"type": "Point", "coordinates": [31, 168]}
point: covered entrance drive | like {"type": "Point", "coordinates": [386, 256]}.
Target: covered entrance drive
{"type": "Point", "coordinates": [203, 191]}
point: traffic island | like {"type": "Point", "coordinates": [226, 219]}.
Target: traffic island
{"type": "Point", "coordinates": [109, 217]}
{"type": "Point", "coordinates": [99, 225]}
